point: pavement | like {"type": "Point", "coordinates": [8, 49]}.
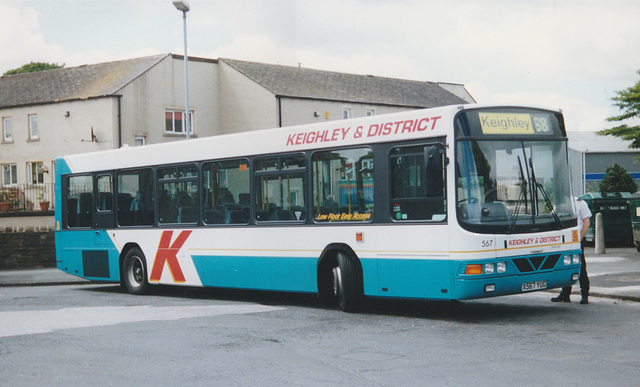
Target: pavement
{"type": "Point", "coordinates": [615, 275]}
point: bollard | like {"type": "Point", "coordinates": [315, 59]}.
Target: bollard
{"type": "Point", "coordinates": [599, 238]}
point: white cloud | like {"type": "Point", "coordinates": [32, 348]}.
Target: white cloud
{"type": "Point", "coordinates": [579, 115]}
{"type": "Point", "coordinates": [256, 48]}
{"type": "Point", "coordinates": [571, 54]}
{"type": "Point", "coordinates": [20, 39]}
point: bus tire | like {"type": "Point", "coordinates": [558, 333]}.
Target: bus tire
{"type": "Point", "coordinates": [134, 272]}
{"type": "Point", "coordinates": [347, 283]}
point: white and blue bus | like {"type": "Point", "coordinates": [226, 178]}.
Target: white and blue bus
{"type": "Point", "coordinates": [449, 203]}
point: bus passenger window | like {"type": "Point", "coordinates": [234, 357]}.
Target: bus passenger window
{"type": "Point", "coordinates": [226, 192]}
{"type": "Point", "coordinates": [105, 193]}
{"type": "Point", "coordinates": [178, 194]}
{"type": "Point", "coordinates": [134, 200]}
{"type": "Point", "coordinates": [280, 189]}
{"type": "Point", "coordinates": [80, 201]}
{"type": "Point", "coordinates": [417, 192]}
{"type": "Point", "coordinates": [343, 186]}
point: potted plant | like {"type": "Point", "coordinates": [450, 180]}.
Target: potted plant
{"type": "Point", "coordinates": [44, 203]}
{"type": "Point", "coordinates": [4, 200]}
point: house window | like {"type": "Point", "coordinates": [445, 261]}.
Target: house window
{"type": "Point", "coordinates": [33, 126]}
{"type": "Point", "coordinates": [6, 129]}
{"type": "Point", "coordinates": [346, 113]}
{"type": "Point", "coordinates": [35, 175]}
{"type": "Point", "coordinates": [9, 174]}
{"type": "Point", "coordinates": [370, 112]}
{"type": "Point", "coordinates": [139, 141]}
{"type": "Point", "coordinates": [174, 122]}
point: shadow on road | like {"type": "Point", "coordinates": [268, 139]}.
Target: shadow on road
{"type": "Point", "coordinates": [476, 311]}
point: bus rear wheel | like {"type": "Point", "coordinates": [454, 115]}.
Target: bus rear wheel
{"type": "Point", "coordinates": [346, 283]}
{"type": "Point", "coordinates": [134, 272]}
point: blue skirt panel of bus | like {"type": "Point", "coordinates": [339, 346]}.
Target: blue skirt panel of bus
{"type": "Point", "coordinates": [262, 273]}
{"type": "Point", "coordinates": [88, 254]}
{"type": "Point", "coordinates": [410, 278]}
{"type": "Point", "coordinates": [401, 278]}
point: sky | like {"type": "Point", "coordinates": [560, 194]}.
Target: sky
{"type": "Point", "coordinates": [567, 54]}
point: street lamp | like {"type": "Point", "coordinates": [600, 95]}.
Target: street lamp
{"type": "Point", "coordinates": [183, 6]}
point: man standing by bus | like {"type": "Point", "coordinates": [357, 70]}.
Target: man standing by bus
{"type": "Point", "coordinates": [584, 214]}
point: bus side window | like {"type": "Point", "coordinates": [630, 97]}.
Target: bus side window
{"type": "Point", "coordinates": [434, 165]}
{"type": "Point", "coordinates": [80, 201]}
{"type": "Point", "coordinates": [178, 194]}
{"type": "Point", "coordinates": [280, 188]}
{"type": "Point", "coordinates": [343, 185]}
{"type": "Point", "coordinates": [105, 193]}
{"type": "Point", "coordinates": [134, 200]}
{"type": "Point", "coordinates": [417, 183]}
{"type": "Point", "coordinates": [226, 192]}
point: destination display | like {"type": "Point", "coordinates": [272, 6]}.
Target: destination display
{"type": "Point", "coordinates": [515, 123]}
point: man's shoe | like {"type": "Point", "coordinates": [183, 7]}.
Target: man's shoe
{"type": "Point", "coordinates": [561, 298]}
{"type": "Point", "coordinates": [584, 301]}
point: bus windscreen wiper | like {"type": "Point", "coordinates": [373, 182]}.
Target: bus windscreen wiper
{"type": "Point", "coordinates": [547, 201]}
{"type": "Point", "coordinates": [522, 195]}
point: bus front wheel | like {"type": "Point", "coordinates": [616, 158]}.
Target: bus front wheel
{"type": "Point", "coordinates": [134, 272]}
{"type": "Point", "coordinates": [346, 283]}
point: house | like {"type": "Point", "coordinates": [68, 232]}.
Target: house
{"type": "Point", "coordinates": [259, 96]}
{"type": "Point", "coordinates": [141, 101]}
{"type": "Point", "coordinates": [591, 154]}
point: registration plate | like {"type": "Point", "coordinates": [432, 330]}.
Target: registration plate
{"type": "Point", "coordinates": [535, 285]}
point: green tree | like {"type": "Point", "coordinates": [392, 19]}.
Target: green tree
{"type": "Point", "coordinates": [618, 180]}
{"type": "Point", "coordinates": [34, 66]}
{"type": "Point", "coordinates": [628, 101]}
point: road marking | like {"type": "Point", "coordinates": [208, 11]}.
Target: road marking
{"type": "Point", "coordinates": [609, 259]}
{"type": "Point", "coordinates": [633, 290]}
{"type": "Point", "coordinates": [17, 323]}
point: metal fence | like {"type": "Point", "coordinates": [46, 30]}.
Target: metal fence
{"type": "Point", "coordinates": [26, 198]}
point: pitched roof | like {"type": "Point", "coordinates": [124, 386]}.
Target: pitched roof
{"type": "Point", "coordinates": [87, 81]}
{"type": "Point", "coordinates": [105, 79]}
{"type": "Point", "coordinates": [299, 82]}
{"type": "Point", "coordinates": [591, 142]}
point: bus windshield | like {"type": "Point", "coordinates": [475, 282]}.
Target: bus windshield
{"type": "Point", "coordinates": [513, 186]}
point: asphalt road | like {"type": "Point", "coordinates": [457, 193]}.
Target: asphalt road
{"type": "Point", "coordinates": [91, 334]}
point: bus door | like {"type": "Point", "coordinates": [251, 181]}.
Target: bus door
{"type": "Point", "coordinates": [103, 216]}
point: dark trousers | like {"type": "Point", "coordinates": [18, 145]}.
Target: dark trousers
{"type": "Point", "coordinates": [584, 278]}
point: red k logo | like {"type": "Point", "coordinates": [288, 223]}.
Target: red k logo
{"type": "Point", "coordinates": [168, 253]}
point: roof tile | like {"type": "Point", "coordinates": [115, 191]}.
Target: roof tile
{"type": "Point", "coordinates": [299, 82]}
{"type": "Point", "coordinates": [64, 84]}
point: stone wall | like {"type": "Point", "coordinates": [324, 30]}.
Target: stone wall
{"type": "Point", "coordinates": [27, 247]}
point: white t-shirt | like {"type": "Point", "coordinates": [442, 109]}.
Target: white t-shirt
{"type": "Point", "coordinates": [582, 211]}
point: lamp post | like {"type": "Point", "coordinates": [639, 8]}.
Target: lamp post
{"type": "Point", "coordinates": [183, 6]}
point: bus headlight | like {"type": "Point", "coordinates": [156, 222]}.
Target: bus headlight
{"type": "Point", "coordinates": [571, 259]}
{"type": "Point", "coordinates": [501, 267]}
{"type": "Point", "coordinates": [489, 268]}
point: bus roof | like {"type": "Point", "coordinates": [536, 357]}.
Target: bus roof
{"type": "Point", "coordinates": [401, 126]}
